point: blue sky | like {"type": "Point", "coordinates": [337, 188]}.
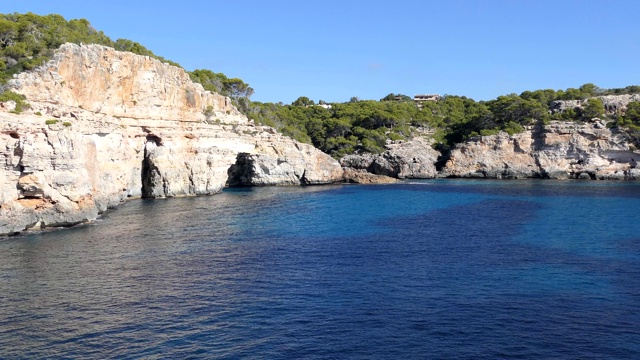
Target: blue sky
{"type": "Point", "coordinates": [333, 50]}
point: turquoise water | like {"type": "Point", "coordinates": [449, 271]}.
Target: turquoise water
{"type": "Point", "coordinates": [421, 269]}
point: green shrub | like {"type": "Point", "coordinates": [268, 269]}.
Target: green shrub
{"type": "Point", "coordinates": [66, 124]}
{"type": "Point", "coordinates": [489, 132]}
{"type": "Point", "coordinates": [513, 128]}
{"type": "Point", "coordinates": [395, 136]}
{"type": "Point", "coordinates": [208, 111]}
{"type": "Point", "coordinates": [51, 122]}
{"type": "Point", "coordinates": [19, 99]}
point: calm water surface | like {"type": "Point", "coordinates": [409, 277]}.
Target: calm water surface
{"type": "Point", "coordinates": [422, 269]}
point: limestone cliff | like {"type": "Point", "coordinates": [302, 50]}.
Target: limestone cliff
{"type": "Point", "coordinates": [560, 150]}
{"type": "Point", "coordinates": [105, 126]}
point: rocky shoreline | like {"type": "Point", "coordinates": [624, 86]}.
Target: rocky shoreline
{"type": "Point", "coordinates": [106, 126]}
{"type": "Point", "coordinates": [559, 150]}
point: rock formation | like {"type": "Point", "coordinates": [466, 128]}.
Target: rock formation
{"type": "Point", "coordinates": [613, 104]}
{"type": "Point", "coordinates": [271, 165]}
{"type": "Point", "coordinates": [106, 125]}
{"type": "Point", "coordinates": [560, 150]}
{"type": "Point", "coordinates": [413, 159]}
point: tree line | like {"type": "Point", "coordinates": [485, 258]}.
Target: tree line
{"type": "Point", "coordinates": [367, 125]}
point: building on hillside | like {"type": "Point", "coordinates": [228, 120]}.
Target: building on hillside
{"type": "Point", "coordinates": [426, 97]}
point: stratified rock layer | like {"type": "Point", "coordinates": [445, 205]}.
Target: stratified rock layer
{"type": "Point", "coordinates": [105, 126]}
{"type": "Point", "coordinates": [561, 150]}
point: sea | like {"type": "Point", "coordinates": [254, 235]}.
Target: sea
{"type": "Point", "coordinates": [429, 269]}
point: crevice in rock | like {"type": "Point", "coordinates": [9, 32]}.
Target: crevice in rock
{"type": "Point", "coordinates": [537, 135]}
{"type": "Point", "coordinates": [541, 173]}
{"type": "Point", "coordinates": [192, 183]}
{"type": "Point", "coordinates": [19, 152]}
{"type": "Point", "coordinates": [517, 148]}
{"type": "Point", "coordinates": [149, 171]}
{"type": "Point", "coordinates": [49, 142]}
{"type": "Point", "coordinates": [303, 178]}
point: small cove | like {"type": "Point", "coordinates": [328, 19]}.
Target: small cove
{"type": "Point", "coordinates": [419, 269]}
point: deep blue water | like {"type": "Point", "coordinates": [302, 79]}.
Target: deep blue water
{"type": "Point", "coordinates": [422, 269]}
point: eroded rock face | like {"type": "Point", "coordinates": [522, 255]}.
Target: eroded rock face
{"type": "Point", "coordinates": [44, 180]}
{"type": "Point", "coordinates": [413, 159]}
{"type": "Point", "coordinates": [561, 150]}
{"type": "Point", "coordinates": [106, 126]}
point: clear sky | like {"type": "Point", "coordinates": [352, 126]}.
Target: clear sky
{"type": "Point", "coordinates": [333, 50]}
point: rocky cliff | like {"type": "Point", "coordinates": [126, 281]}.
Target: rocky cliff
{"type": "Point", "coordinates": [560, 150]}
{"type": "Point", "coordinates": [105, 126]}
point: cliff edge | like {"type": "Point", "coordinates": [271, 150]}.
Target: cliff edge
{"type": "Point", "coordinates": [105, 126]}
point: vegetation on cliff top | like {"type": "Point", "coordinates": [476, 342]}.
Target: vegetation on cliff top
{"type": "Point", "coordinates": [29, 40]}
{"type": "Point", "coordinates": [366, 126]}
